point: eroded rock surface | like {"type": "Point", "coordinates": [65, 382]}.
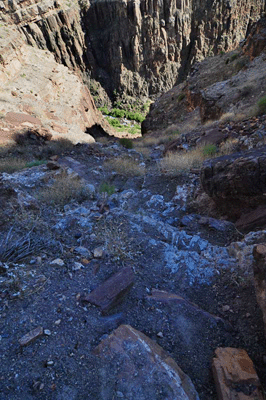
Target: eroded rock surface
{"type": "Point", "coordinates": [144, 370]}
{"type": "Point", "coordinates": [235, 375]}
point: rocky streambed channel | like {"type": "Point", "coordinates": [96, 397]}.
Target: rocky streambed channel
{"type": "Point", "coordinates": [125, 290]}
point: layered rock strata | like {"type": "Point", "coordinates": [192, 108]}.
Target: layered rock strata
{"type": "Point", "coordinates": [143, 47]}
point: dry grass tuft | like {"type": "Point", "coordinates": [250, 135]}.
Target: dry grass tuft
{"type": "Point", "coordinates": [12, 164]}
{"type": "Point", "coordinates": [126, 166]}
{"type": "Point", "coordinates": [175, 163]}
{"type": "Point", "coordinates": [228, 147]}
{"type": "Point", "coordinates": [64, 190]}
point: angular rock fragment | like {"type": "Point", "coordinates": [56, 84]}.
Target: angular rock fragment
{"type": "Point", "coordinates": [109, 293]}
{"type": "Point", "coordinates": [259, 268]}
{"type": "Point", "coordinates": [138, 368]}
{"type": "Point", "coordinates": [235, 376]}
{"type": "Point", "coordinates": [31, 336]}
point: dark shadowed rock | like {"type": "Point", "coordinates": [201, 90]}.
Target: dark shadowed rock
{"type": "Point", "coordinates": [235, 376]}
{"type": "Point", "coordinates": [252, 220]}
{"type": "Point", "coordinates": [236, 181]}
{"type": "Point", "coordinates": [111, 292]}
{"type": "Point", "coordinates": [256, 41]}
{"type": "Point", "coordinates": [192, 331]}
{"type": "Point", "coordinates": [135, 367]}
{"type": "Point", "coordinates": [259, 268]}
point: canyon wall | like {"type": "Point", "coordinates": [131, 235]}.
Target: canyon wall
{"type": "Point", "coordinates": [134, 47]}
{"type": "Point", "coordinates": [143, 47]}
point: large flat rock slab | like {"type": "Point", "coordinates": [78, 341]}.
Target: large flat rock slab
{"type": "Point", "coordinates": [235, 376]}
{"type": "Point", "coordinates": [135, 367]}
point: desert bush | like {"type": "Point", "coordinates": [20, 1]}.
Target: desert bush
{"type": "Point", "coordinates": [127, 143]}
{"type": "Point", "coordinates": [126, 166]}
{"type": "Point", "coordinates": [209, 150]}
{"type": "Point", "coordinates": [262, 105]}
{"type": "Point", "coordinates": [64, 190]}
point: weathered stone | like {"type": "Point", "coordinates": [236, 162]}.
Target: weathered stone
{"type": "Point", "coordinates": [235, 376]}
{"type": "Point", "coordinates": [31, 336]}
{"type": "Point", "coordinates": [109, 293]}
{"type": "Point", "coordinates": [236, 181]}
{"type": "Point", "coordinates": [139, 368]}
{"type": "Point", "coordinates": [259, 268]}
{"type": "Point", "coordinates": [58, 261]}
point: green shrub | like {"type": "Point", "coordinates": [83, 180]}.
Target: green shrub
{"type": "Point", "coordinates": [116, 112]}
{"type": "Point", "coordinates": [135, 116]}
{"type": "Point", "coordinates": [107, 188]}
{"type": "Point", "coordinates": [35, 163]}
{"type": "Point", "coordinates": [127, 143]}
{"type": "Point", "coordinates": [209, 150]}
{"type": "Point", "coordinates": [115, 123]}
{"type": "Point", "coordinates": [104, 110]}
{"type": "Point", "coordinates": [262, 105]}
{"type": "Point", "coordinates": [181, 96]}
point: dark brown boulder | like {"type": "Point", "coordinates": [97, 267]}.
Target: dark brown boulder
{"type": "Point", "coordinates": [237, 181]}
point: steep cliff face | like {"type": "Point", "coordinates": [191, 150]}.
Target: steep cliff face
{"type": "Point", "coordinates": [136, 47]}
{"type": "Point", "coordinates": [38, 92]}
{"type": "Point", "coordinates": [49, 25]}
{"type": "Point", "coordinates": [144, 47]}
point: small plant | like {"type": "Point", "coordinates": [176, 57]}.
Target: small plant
{"type": "Point", "coordinates": [107, 188]}
{"type": "Point", "coordinates": [35, 163]}
{"type": "Point", "coordinates": [181, 96]}
{"type": "Point", "coordinates": [127, 143]}
{"type": "Point", "coordinates": [209, 150]}
{"type": "Point", "coordinates": [262, 105]}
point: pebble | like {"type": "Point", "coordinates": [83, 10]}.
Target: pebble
{"type": "Point", "coordinates": [57, 322]}
{"type": "Point", "coordinates": [83, 251]}
{"type": "Point", "coordinates": [58, 261]}
{"type": "Point", "coordinates": [49, 363]}
{"type": "Point", "coordinates": [248, 315]}
{"type": "Point", "coordinates": [47, 332]}
{"type": "Point", "coordinates": [226, 308]}
{"type": "Point", "coordinates": [77, 266]}
{"type": "Point", "coordinates": [160, 334]}
{"type": "Point", "coordinates": [98, 252]}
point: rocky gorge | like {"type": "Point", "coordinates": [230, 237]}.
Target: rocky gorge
{"type": "Point", "coordinates": [135, 267]}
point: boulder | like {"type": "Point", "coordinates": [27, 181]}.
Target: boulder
{"type": "Point", "coordinates": [259, 268]}
{"type": "Point", "coordinates": [235, 376]}
{"type": "Point", "coordinates": [236, 181]}
{"type": "Point", "coordinates": [135, 367]}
